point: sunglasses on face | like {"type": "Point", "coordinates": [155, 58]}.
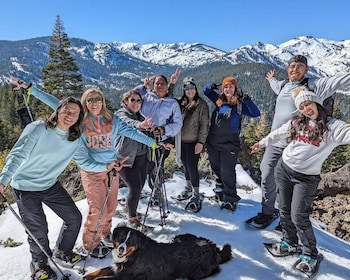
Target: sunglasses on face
{"type": "Point", "coordinates": [94, 100]}
{"type": "Point", "coordinates": [299, 67]}
{"type": "Point", "coordinates": [189, 88]}
{"type": "Point", "coordinates": [69, 113]}
{"type": "Point", "coordinates": [133, 100]}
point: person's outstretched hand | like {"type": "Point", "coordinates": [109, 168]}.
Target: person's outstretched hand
{"type": "Point", "coordinates": [270, 75]}
{"type": "Point", "coordinates": [18, 83]}
{"type": "Point", "coordinates": [175, 76]}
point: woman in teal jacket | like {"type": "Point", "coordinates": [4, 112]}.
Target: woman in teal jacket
{"type": "Point", "coordinates": [40, 155]}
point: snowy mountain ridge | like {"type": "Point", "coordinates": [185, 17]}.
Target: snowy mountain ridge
{"type": "Point", "coordinates": [118, 66]}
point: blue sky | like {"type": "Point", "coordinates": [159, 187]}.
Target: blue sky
{"type": "Point", "coordinates": [224, 24]}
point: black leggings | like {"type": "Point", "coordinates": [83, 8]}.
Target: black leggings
{"type": "Point", "coordinates": [190, 161]}
{"type": "Point", "coordinates": [135, 178]}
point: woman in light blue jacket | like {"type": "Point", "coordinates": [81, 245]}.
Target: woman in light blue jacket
{"type": "Point", "coordinates": [40, 155]}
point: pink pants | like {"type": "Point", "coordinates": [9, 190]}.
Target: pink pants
{"type": "Point", "coordinates": [96, 188]}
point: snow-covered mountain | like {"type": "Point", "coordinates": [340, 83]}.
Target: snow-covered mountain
{"type": "Point", "coordinates": [116, 65]}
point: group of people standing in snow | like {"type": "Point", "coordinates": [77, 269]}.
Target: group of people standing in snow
{"type": "Point", "coordinates": [301, 138]}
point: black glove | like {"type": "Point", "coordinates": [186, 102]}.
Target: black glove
{"type": "Point", "coordinates": [158, 131]}
{"type": "Point", "coordinates": [214, 86]}
{"type": "Point", "coordinates": [239, 93]}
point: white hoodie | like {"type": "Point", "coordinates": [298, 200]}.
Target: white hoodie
{"type": "Point", "coordinates": [305, 156]}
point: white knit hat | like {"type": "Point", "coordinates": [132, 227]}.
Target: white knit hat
{"type": "Point", "coordinates": [306, 95]}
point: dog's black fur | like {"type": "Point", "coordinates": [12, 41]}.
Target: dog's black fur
{"type": "Point", "coordinates": [138, 257]}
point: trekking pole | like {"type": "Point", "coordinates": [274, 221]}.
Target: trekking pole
{"type": "Point", "coordinates": [159, 186]}
{"type": "Point", "coordinates": [157, 167]}
{"type": "Point", "coordinates": [163, 195]}
{"type": "Point", "coordinates": [26, 104]}
{"type": "Point", "coordinates": [65, 276]}
{"type": "Point", "coordinates": [110, 185]}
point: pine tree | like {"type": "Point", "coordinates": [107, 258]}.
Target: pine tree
{"type": "Point", "coordinates": [61, 75]}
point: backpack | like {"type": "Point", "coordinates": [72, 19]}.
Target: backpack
{"type": "Point", "coordinates": [328, 103]}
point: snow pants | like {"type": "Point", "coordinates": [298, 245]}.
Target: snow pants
{"type": "Point", "coordinates": [296, 192]}
{"type": "Point", "coordinates": [96, 186]}
{"type": "Point", "coordinates": [223, 164]}
{"type": "Point", "coordinates": [30, 205]}
{"type": "Point", "coordinates": [268, 185]}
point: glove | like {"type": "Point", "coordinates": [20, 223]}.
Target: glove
{"type": "Point", "coordinates": [240, 93]}
{"type": "Point", "coordinates": [158, 131]}
{"type": "Point", "coordinates": [214, 86]}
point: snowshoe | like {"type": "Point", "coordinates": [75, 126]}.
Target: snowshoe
{"type": "Point", "coordinates": [217, 198]}
{"type": "Point", "coordinates": [185, 194]}
{"type": "Point", "coordinates": [108, 241]}
{"type": "Point", "coordinates": [307, 265]}
{"type": "Point", "coordinates": [232, 206]}
{"type": "Point", "coordinates": [136, 225]}
{"type": "Point", "coordinates": [42, 271]}
{"type": "Point", "coordinates": [67, 259]}
{"type": "Point", "coordinates": [124, 214]}
{"type": "Point", "coordinates": [282, 249]}
{"type": "Point", "coordinates": [262, 220]}
{"type": "Point", "coordinates": [100, 252]}
{"type": "Point", "coordinates": [195, 204]}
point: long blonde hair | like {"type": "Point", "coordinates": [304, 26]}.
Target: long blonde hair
{"type": "Point", "coordinates": [104, 111]}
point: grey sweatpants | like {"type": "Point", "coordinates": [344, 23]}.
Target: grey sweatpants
{"type": "Point", "coordinates": [296, 192]}
{"type": "Point", "coordinates": [33, 216]}
{"type": "Point", "coordinates": [268, 185]}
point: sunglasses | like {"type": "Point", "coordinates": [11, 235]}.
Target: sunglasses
{"type": "Point", "coordinates": [94, 100]}
{"type": "Point", "coordinates": [133, 100]}
{"type": "Point", "coordinates": [189, 88]}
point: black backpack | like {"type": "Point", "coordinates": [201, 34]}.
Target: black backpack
{"type": "Point", "coordinates": [328, 103]}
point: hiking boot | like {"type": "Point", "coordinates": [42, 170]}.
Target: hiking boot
{"type": "Point", "coordinates": [195, 204]}
{"type": "Point", "coordinates": [307, 264]}
{"type": "Point", "coordinates": [67, 259]}
{"type": "Point", "coordinates": [185, 194]}
{"type": "Point", "coordinates": [42, 271]}
{"type": "Point", "coordinates": [100, 252]}
{"type": "Point", "coordinates": [229, 205]}
{"type": "Point", "coordinates": [108, 241]}
{"type": "Point", "coordinates": [262, 219]}
{"type": "Point", "coordinates": [283, 248]}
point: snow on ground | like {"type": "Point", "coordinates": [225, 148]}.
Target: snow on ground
{"type": "Point", "coordinates": [250, 260]}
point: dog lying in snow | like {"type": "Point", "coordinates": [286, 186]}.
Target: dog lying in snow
{"type": "Point", "coordinates": [138, 257]}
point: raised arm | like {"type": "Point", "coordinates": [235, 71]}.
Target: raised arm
{"type": "Point", "coordinates": [47, 98]}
